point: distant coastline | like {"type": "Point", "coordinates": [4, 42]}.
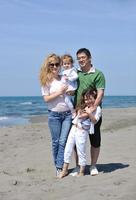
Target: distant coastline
{"type": "Point", "coordinates": [20, 109]}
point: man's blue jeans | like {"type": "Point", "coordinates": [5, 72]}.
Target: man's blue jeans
{"type": "Point", "coordinates": [59, 125]}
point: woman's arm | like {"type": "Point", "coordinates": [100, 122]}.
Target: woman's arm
{"type": "Point", "coordinates": [52, 96]}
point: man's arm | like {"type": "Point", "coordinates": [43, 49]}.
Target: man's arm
{"type": "Point", "coordinates": [100, 94]}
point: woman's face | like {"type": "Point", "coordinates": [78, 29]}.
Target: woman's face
{"type": "Point", "coordinates": [89, 100]}
{"type": "Point", "coordinates": [54, 67]}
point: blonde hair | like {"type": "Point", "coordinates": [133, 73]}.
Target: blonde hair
{"type": "Point", "coordinates": [46, 75]}
{"type": "Point", "coordinates": [67, 57]}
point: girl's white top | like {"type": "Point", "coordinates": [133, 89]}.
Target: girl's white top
{"type": "Point", "coordinates": [57, 104]}
{"type": "Point", "coordinates": [87, 124]}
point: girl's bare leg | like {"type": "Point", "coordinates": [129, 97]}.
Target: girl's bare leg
{"type": "Point", "coordinates": [64, 170]}
{"type": "Point", "coordinates": [82, 171]}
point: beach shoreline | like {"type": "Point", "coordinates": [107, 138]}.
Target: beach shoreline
{"type": "Point", "coordinates": [121, 118]}
{"type": "Point", "coordinates": [27, 170]}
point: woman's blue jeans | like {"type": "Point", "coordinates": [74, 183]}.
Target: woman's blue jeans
{"type": "Point", "coordinates": [59, 125]}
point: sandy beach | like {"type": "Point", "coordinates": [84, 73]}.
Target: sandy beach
{"type": "Point", "coordinates": [27, 170]}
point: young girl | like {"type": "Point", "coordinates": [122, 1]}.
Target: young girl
{"type": "Point", "coordinates": [80, 129]}
{"type": "Point", "coordinates": [69, 77]}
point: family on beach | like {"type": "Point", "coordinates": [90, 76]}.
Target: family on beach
{"type": "Point", "coordinates": [74, 98]}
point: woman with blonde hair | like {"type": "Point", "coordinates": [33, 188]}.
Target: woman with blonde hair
{"type": "Point", "coordinates": [59, 114]}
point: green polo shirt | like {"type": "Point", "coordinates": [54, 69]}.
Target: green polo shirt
{"type": "Point", "coordinates": [93, 79]}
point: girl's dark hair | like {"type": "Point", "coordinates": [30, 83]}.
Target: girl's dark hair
{"type": "Point", "coordinates": [87, 93]}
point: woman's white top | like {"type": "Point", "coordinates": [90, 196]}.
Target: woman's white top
{"type": "Point", "coordinates": [57, 104]}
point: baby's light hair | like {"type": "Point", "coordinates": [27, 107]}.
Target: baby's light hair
{"type": "Point", "coordinates": [67, 57]}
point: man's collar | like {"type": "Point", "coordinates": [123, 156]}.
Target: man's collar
{"type": "Point", "coordinates": [92, 70]}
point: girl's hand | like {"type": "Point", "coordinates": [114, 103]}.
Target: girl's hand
{"type": "Point", "coordinates": [82, 114]}
{"type": "Point", "coordinates": [90, 109]}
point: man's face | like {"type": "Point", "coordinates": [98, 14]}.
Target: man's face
{"type": "Point", "coordinates": [83, 60]}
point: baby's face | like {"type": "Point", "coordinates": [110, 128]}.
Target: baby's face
{"type": "Point", "coordinates": [67, 64]}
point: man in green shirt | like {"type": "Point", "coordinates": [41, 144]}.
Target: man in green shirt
{"type": "Point", "coordinates": [89, 77]}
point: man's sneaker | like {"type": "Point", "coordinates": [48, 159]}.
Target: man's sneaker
{"type": "Point", "coordinates": [75, 171]}
{"type": "Point", "coordinates": [93, 171]}
{"type": "Point", "coordinates": [58, 171]}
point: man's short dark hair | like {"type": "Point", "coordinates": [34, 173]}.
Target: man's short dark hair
{"type": "Point", "coordinates": [84, 50]}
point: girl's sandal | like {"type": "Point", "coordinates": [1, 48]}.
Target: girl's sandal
{"type": "Point", "coordinates": [80, 174]}
{"type": "Point", "coordinates": [63, 174]}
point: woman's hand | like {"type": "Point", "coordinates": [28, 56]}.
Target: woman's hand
{"type": "Point", "coordinates": [65, 77]}
{"type": "Point", "coordinates": [71, 93]}
{"type": "Point", "coordinates": [63, 89]}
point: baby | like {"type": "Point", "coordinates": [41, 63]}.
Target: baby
{"type": "Point", "coordinates": [69, 77]}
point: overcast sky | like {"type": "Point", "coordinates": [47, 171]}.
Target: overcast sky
{"type": "Point", "coordinates": [31, 29]}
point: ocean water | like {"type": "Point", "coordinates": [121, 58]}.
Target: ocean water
{"type": "Point", "coordinates": [18, 110]}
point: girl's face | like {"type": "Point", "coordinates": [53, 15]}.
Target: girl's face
{"type": "Point", "coordinates": [89, 100]}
